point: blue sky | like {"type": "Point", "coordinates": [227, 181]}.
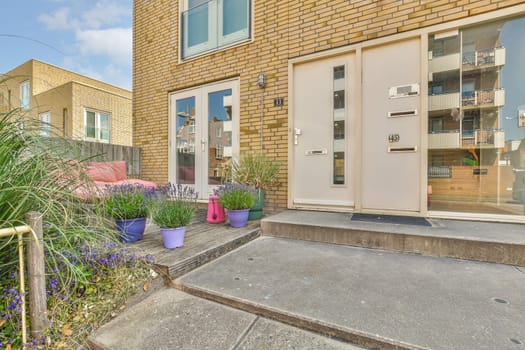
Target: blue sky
{"type": "Point", "coordinates": [90, 37]}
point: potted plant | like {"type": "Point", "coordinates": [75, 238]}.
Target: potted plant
{"type": "Point", "coordinates": [259, 171]}
{"type": "Point", "coordinates": [237, 199]}
{"type": "Point", "coordinates": [126, 204]}
{"type": "Point", "coordinates": [173, 210]}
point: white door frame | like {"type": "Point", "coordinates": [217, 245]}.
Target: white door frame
{"type": "Point", "coordinates": [201, 130]}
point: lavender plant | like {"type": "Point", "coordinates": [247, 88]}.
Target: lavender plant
{"type": "Point", "coordinates": [174, 206]}
{"type": "Point", "coordinates": [234, 196]}
{"type": "Point", "coordinates": [127, 201]}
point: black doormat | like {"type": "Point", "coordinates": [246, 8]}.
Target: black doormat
{"type": "Point", "coordinates": [391, 219]}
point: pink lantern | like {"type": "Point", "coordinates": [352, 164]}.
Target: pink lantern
{"type": "Point", "coordinates": [216, 213]}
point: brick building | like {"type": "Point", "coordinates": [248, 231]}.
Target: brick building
{"type": "Point", "coordinates": [343, 93]}
{"type": "Point", "coordinates": [69, 104]}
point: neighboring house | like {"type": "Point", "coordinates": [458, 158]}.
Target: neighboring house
{"type": "Point", "coordinates": [68, 103]}
{"type": "Point", "coordinates": [371, 105]}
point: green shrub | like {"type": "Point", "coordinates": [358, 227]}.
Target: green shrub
{"type": "Point", "coordinates": [174, 206]}
{"type": "Point", "coordinates": [235, 196]}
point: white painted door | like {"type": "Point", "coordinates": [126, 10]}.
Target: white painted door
{"type": "Point", "coordinates": [204, 135]}
{"type": "Point", "coordinates": [391, 121]}
{"type": "Point", "coordinates": [322, 145]}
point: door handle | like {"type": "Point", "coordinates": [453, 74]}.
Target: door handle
{"type": "Point", "coordinates": [203, 144]}
{"type": "Point", "coordinates": [296, 133]}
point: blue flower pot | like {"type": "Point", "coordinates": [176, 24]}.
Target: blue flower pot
{"type": "Point", "coordinates": [131, 230]}
{"type": "Point", "coordinates": [238, 218]}
{"type": "Point", "coordinates": [173, 237]}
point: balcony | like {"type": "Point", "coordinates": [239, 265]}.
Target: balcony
{"type": "Point", "coordinates": [214, 24]}
{"type": "Point", "coordinates": [479, 138]}
{"type": "Point", "coordinates": [493, 57]}
{"type": "Point", "coordinates": [483, 138]}
{"type": "Point", "coordinates": [444, 63]}
{"type": "Point", "coordinates": [483, 98]}
{"type": "Point", "coordinates": [438, 102]}
{"type": "Point", "coordinates": [443, 139]}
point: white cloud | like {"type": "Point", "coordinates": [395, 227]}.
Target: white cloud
{"type": "Point", "coordinates": [113, 42]}
{"type": "Point", "coordinates": [105, 13]}
{"type": "Point", "coordinates": [57, 20]}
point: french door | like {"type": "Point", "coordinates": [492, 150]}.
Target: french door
{"type": "Point", "coordinates": [204, 135]}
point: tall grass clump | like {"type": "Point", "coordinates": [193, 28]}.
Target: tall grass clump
{"type": "Point", "coordinates": [86, 269]}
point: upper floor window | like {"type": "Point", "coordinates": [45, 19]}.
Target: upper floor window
{"type": "Point", "coordinates": [97, 126]}
{"type": "Point", "coordinates": [24, 95]}
{"type": "Point", "coordinates": [209, 25]}
{"type": "Point", "coordinates": [45, 124]}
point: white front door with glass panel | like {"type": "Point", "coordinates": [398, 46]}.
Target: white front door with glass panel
{"type": "Point", "coordinates": [204, 135]}
{"type": "Point", "coordinates": [322, 145]}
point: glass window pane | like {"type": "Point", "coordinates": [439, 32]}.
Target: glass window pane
{"type": "Point", "coordinates": [475, 140]}
{"type": "Point", "coordinates": [104, 127]}
{"type": "Point", "coordinates": [90, 125]}
{"type": "Point", "coordinates": [339, 168]}
{"type": "Point", "coordinates": [339, 130]}
{"type": "Point", "coordinates": [339, 99]}
{"type": "Point", "coordinates": [219, 134]}
{"type": "Point", "coordinates": [197, 25]}
{"type": "Point", "coordinates": [235, 16]}
{"type": "Point", "coordinates": [185, 125]}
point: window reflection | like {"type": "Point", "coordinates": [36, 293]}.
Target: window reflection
{"type": "Point", "coordinates": [475, 146]}
{"type": "Point", "coordinates": [186, 141]}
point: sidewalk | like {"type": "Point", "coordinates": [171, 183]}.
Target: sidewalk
{"type": "Point", "coordinates": [375, 298]}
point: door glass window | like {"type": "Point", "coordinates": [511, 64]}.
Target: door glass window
{"type": "Point", "coordinates": [219, 134]}
{"type": "Point", "coordinates": [477, 158]}
{"type": "Point", "coordinates": [339, 135]}
{"type": "Point", "coordinates": [45, 124]}
{"type": "Point", "coordinates": [185, 109]}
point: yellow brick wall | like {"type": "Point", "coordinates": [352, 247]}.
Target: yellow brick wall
{"type": "Point", "coordinates": [54, 89]}
{"type": "Point", "coordinates": [282, 30]}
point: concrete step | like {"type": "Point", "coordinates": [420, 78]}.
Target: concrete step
{"type": "Point", "coordinates": [372, 298]}
{"type": "Point", "coordinates": [170, 319]}
{"type": "Point", "coordinates": [481, 241]}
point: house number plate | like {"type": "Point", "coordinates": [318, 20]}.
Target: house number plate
{"type": "Point", "coordinates": [393, 138]}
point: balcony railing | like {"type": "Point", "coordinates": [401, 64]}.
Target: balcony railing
{"type": "Point", "coordinates": [443, 101]}
{"type": "Point", "coordinates": [483, 98]}
{"type": "Point", "coordinates": [214, 24]}
{"type": "Point", "coordinates": [444, 139]}
{"type": "Point", "coordinates": [450, 139]}
{"type": "Point", "coordinates": [488, 57]}
{"type": "Point", "coordinates": [444, 63]}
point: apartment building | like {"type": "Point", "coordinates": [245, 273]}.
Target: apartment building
{"type": "Point", "coordinates": [402, 107]}
{"type": "Point", "coordinates": [68, 104]}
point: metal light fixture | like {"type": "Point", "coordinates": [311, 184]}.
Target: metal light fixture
{"type": "Point", "coordinates": [261, 80]}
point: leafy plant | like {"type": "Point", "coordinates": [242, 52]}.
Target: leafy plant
{"type": "Point", "coordinates": [126, 201]}
{"type": "Point", "coordinates": [175, 206]}
{"type": "Point", "coordinates": [254, 169]}
{"type": "Point", "coordinates": [234, 196]}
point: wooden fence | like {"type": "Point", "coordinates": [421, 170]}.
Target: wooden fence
{"type": "Point", "coordinates": [35, 273]}
{"type": "Point", "coordinates": [96, 151]}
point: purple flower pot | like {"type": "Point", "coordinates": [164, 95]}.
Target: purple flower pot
{"type": "Point", "coordinates": [131, 230]}
{"type": "Point", "coordinates": [238, 218]}
{"type": "Point", "coordinates": [173, 237]}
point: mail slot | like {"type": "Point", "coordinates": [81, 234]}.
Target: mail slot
{"type": "Point", "coordinates": [397, 114]}
{"type": "Point", "coordinates": [402, 149]}
{"type": "Point", "coordinates": [316, 152]}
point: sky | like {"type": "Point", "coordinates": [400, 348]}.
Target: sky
{"type": "Point", "coordinates": [90, 37]}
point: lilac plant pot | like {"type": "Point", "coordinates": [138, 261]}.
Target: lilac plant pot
{"type": "Point", "coordinates": [238, 218]}
{"type": "Point", "coordinates": [131, 230]}
{"type": "Point", "coordinates": [173, 237]}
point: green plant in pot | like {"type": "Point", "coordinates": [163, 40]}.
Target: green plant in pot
{"type": "Point", "coordinates": [259, 171]}
{"type": "Point", "coordinates": [237, 199]}
{"type": "Point", "coordinates": [127, 204]}
{"type": "Point", "coordinates": [172, 210]}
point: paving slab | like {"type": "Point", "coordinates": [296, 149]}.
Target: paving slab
{"type": "Point", "coordinates": [402, 300]}
{"type": "Point", "coordinates": [170, 319]}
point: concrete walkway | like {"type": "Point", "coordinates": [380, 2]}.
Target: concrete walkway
{"type": "Point", "coordinates": [378, 299]}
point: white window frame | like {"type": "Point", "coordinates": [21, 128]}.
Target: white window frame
{"type": "Point", "coordinates": [25, 96]}
{"type": "Point", "coordinates": [216, 41]}
{"type": "Point", "coordinates": [98, 131]}
{"type": "Point", "coordinates": [45, 124]}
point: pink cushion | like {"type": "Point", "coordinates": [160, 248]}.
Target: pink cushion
{"type": "Point", "coordinates": [107, 171]}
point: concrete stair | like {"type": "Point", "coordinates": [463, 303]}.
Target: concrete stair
{"type": "Point", "coordinates": [502, 243]}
